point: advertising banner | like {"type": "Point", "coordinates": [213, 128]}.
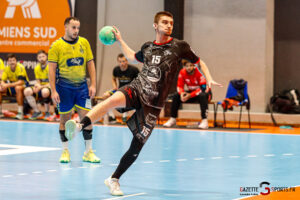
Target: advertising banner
{"type": "Point", "coordinates": [27, 26]}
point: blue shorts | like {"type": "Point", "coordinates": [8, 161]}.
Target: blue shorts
{"type": "Point", "coordinates": [70, 97]}
{"type": "Point", "coordinates": [11, 91]}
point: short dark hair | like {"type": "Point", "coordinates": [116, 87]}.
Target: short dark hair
{"type": "Point", "coordinates": [120, 55]}
{"type": "Point", "coordinates": [41, 51]}
{"type": "Point", "coordinates": [68, 19]}
{"type": "Point", "coordinates": [160, 14]}
{"type": "Point", "coordinates": [11, 55]}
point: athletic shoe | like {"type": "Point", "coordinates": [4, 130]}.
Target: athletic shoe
{"type": "Point", "coordinates": [112, 120]}
{"type": "Point", "coordinates": [51, 118]}
{"type": "Point", "coordinates": [65, 156]}
{"type": "Point", "coordinates": [90, 157]}
{"type": "Point", "coordinates": [203, 124]}
{"type": "Point", "coordinates": [47, 116]}
{"type": "Point", "coordinates": [170, 122]}
{"type": "Point", "coordinates": [124, 120]}
{"type": "Point", "coordinates": [36, 115]}
{"type": "Point", "coordinates": [20, 116]}
{"type": "Point", "coordinates": [114, 186]}
{"type": "Point", "coordinates": [72, 129]}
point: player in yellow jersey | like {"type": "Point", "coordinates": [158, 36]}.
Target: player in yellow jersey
{"type": "Point", "coordinates": [68, 58]}
{"type": "Point", "coordinates": [13, 82]}
{"type": "Point", "coordinates": [1, 68]}
{"type": "Point", "coordinates": [41, 89]}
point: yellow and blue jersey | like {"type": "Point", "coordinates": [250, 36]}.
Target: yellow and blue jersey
{"type": "Point", "coordinates": [71, 59]}
{"type": "Point", "coordinates": [1, 64]}
{"type": "Point", "coordinates": [41, 74]}
{"type": "Point", "coordinates": [13, 76]}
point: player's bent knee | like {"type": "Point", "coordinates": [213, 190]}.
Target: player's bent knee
{"type": "Point", "coordinates": [87, 134]}
{"type": "Point", "coordinates": [45, 93]}
{"type": "Point", "coordinates": [28, 92]}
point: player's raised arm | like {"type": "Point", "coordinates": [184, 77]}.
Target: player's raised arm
{"type": "Point", "coordinates": [127, 51]}
{"type": "Point", "coordinates": [207, 75]}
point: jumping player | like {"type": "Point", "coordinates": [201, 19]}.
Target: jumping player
{"type": "Point", "coordinates": [68, 58]}
{"type": "Point", "coordinates": [147, 93]}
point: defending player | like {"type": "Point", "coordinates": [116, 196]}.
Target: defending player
{"type": "Point", "coordinates": [68, 58]}
{"type": "Point", "coordinates": [146, 93]}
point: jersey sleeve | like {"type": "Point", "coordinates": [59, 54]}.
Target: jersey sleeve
{"type": "Point", "coordinates": [180, 82]}
{"type": "Point", "coordinates": [4, 76]}
{"type": "Point", "coordinates": [22, 75]}
{"type": "Point", "coordinates": [1, 64]}
{"type": "Point", "coordinates": [53, 53]}
{"type": "Point", "coordinates": [115, 72]}
{"type": "Point", "coordinates": [89, 53]}
{"type": "Point", "coordinates": [139, 56]}
{"type": "Point", "coordinates": [188, 53]}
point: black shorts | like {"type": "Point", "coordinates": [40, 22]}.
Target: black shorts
{"type": "Point", "coordinates": [142, 122]}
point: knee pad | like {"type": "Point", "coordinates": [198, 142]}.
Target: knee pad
{"type": "Point", "coordinates": [87, 134]}
{"type": "Point", "coordinates": [62, 136]}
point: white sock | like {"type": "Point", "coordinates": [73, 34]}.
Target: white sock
{"type": "Point", "coordinates": [32, 102]}
{"type": "Point", "coordinates": [88, 145]}
{"type": "Point", "coordinates": [125, 114]}
{"type": "Point", "coordinates": [65, 145]}
{"type": "Point", "coordinates": [111, 114]}
{"type": "Point", "coordinates": [173, 119]}
{"type": "Point", "coordinates": [20, 109]}
{"type": "Point", "coordinates": [47, 107]}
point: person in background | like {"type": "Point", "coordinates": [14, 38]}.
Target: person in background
{"type": "Point", "coordinates": [41, 89]}
{"type": "Point", "coordinates": [196, 92]}
{"type": "Point", "coordinates": [122, 75]}
{"type": "Point", "coordinates": [14, 78]}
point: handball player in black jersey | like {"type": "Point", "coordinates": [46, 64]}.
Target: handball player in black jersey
{"type": "Point", "coordinates": [146, 93]}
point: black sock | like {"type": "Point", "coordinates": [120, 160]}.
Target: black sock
{"type": "Point", "coordinates": [56, 111]}
{"type": "Point", "coordinates": [86, 121]}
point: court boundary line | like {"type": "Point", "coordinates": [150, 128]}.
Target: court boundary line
{"type": "Point", "coordinates": [125, 196]}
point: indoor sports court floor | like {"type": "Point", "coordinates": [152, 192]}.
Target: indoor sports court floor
{"type": "Point", "coordinates": [174, 164]}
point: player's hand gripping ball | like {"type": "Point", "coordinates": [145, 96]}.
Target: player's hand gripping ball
{"type": "Point", "coordinates": [107, 36]}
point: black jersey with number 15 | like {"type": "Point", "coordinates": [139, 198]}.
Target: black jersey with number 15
{"type": "Point", "coordinates": [161, 62]}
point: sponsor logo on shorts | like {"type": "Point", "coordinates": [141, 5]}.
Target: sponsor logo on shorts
{"type": "Point", "coordinates": [88, 104]}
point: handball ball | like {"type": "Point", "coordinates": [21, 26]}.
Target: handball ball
{"type": "Point", "coordinates": [107, 36]}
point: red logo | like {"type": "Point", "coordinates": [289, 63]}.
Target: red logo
{"type": "Point", "coordinates": [266, 188]}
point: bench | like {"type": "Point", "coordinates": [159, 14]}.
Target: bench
{"type": "Point", "coordinates": [168, 103]}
